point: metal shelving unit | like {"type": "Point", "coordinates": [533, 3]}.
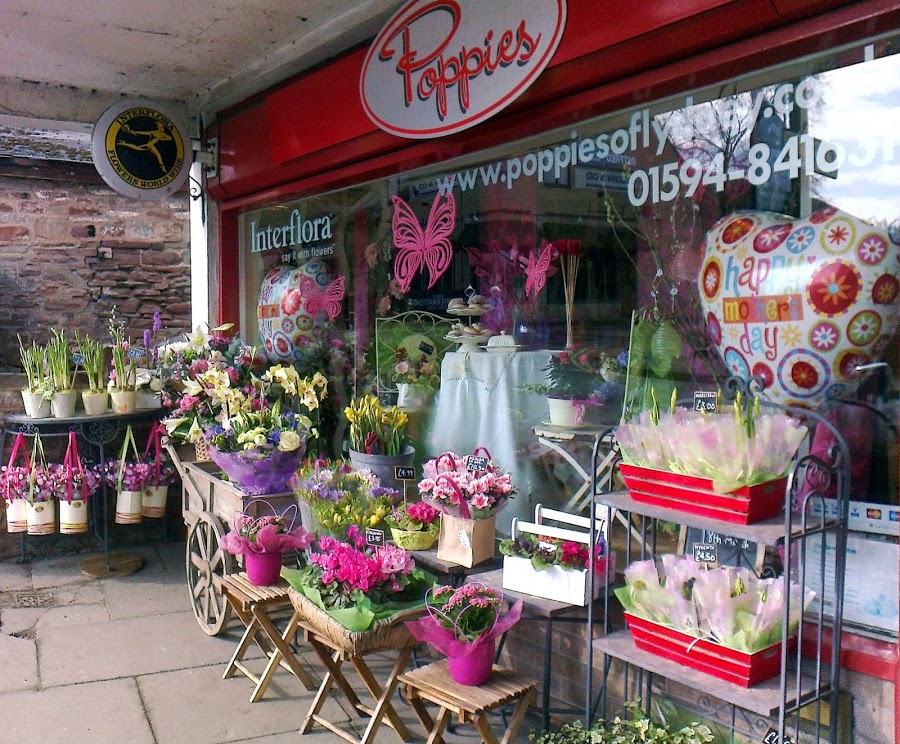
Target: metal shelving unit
{"type": "Point", "coordinates": [812, 552]}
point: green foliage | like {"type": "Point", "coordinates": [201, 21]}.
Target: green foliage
{"type": "Point", "coordinates": [637, 729]}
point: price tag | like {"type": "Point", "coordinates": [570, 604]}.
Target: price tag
{"type": "Point", "coordinates": [706, 401]}
{"type": "Point", "coordinates": [464, 539]}
{"type": "Point", "coordinates": [706, 553]}
{"type": "Point", "coordinates": [374, 537]}
{"type": "Point", "coordinates": [136, 352]}
{"type": "Point", "coordinates": [426, 348]}
{"type": "Point", "coordinates": [404, 473]}
{"type": "Point", "coordinates": [771, 737]}
{"type": "Point", "coordinates": [476, 463]}
{"type": "Point", "coordinates": [77, 358]}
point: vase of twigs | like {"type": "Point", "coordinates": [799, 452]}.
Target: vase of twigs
{"type": "Point", "coordinates": [63, 395]}
{"type": "Point", "coordinates": [95, 398]}
{"type": "Point", "coordinates": [569, 260]}
{"type": "Point", "coordinates": [34, 366]}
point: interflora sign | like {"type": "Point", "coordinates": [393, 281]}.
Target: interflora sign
{"type": "Point", "coordinates": [139, 148]}
{"type": "Point", "coordinates": [442, 66]}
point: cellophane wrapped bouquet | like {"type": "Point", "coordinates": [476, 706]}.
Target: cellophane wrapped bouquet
{"type": "Point", "coordinates": [740, 448]}
{"type": "Point", "coordinates": [730, 606]}
{"type": "Point", "coordinates": [453, 489]}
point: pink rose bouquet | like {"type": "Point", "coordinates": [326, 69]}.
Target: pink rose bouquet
{"type": "Point", "coordinates": [452, 487]}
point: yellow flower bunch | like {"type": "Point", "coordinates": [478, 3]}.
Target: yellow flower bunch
{"type": "Point", "coordinates": [291, 387]}
{"type": "Point", "coordinates": [374, 429]}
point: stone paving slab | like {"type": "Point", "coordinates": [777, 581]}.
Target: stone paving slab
{"type": "Point", "coordinates": [99, 713]}
{"type": "Point", "coordinates": [19, 669]}
{"type": "Point", "coordinates": [125, 648]}
{"type": "Point", "coordinates": [145, 594]}
{"type": "Point", "coordinates": [74, 615]}
{"type": "Point", "coordinates": [54, 572]}
{"type": "Point", "coordinates": [198, 706]}
{"type": "Point", "coordinates": [14, 576]}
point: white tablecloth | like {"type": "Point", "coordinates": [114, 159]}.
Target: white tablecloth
{"type": "Point", "coordinates": [481, 404]}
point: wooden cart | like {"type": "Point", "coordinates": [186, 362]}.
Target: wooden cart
{"type": "Point", "coordinates": [208, 506]}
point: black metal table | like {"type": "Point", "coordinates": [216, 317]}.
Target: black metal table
{"type": "Point", "coordinates": [96, 431]}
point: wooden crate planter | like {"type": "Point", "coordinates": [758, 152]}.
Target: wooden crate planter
{"type": "Point", "coordinates": [693, 495]}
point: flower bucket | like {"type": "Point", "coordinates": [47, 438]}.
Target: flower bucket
{"type": "Point", "coordinates": [16, 515]}
{"type": "Point", "coordinates": [474, 668]}
{"type": "Point", "coordinates": [566, 412]}
{"type": "Point", "coordinates": [259, 473]}
{"type": "Point", "coordinates": [153, 504]}
{"type": "Point", "coordinates": [41, 517]}
{"type": "Point", "coordinates": [263, 569]}
{"type": "Point", "coordinates": [383, 465]}
{"type": "Point", "coordinates": [73, 517]}
{"type": "Point", "coordinates": [413, 540]}
{"type": "Point", "coordinates": [96, 402]}
{"type": "Point", "coordinates": [63, 404]}
{"type": "Point", "coordinates": [36, 406]}
{"type": "Point", "coordinates": [123, 401]}
{"type": "Point", "coordinates": [129, 505]}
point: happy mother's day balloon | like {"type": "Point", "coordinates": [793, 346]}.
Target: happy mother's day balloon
{"type": "Point", "coordinates": [801, 303]}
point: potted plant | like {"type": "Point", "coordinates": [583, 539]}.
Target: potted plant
{"type": "Point", "coordinates": [127, 475]}
{"type": "Point", "coordinates": [43, 486]}
{"type": "Point", "coordinates": [356, 586]}
{"type": "Point", "coordinates": [340, 497]}
{"type": "Point", "coordinates": [96, 397]}
{"type": "Point", "coordinates": [263, 541]}
{"type": "Point", "coordinates": [464, 624]}
{"type": "Point", "coordinates": [469, 499]}
{"type": "Point", "coordinates": [637, 729]}
{"type": "Point", "coordinates": [416, 379]}
{"type": "Point", "coordinates": [76, 486]}
{"type": "Point", "coordinates": [414, 526]}
{"type": "Point", "coordinates": [148, 382]}
{"type": "Point", "coordinates": [123, 376]}
{"type": "Point", "coordinates": [15, 485]}
{"type": "Point", "coordinates": [34, 365]}
{"type": "Point", "coordinates": [61, 390]}
{"type": "Point", "coordinates": [378, 438]}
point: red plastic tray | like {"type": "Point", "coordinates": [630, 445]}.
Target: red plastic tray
{"type": "Point", "coordinates": [693, 495]}
{"type": "Point", "coordinates": [711, 658]}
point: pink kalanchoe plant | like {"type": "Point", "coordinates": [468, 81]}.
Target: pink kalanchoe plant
{"type": "Point", "coordinates": [416, 517]}
{"type": "Point", "coordinates": [452, 488]}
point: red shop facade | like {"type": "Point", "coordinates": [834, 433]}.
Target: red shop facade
{"type": "Point", "coordinates": [627, 129]}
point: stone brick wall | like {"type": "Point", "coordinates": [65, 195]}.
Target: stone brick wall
{"type": "Point", "coordinates": [70, 251]}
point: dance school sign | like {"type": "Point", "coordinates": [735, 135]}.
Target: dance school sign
{"type": "Point", "coordinates": [442, 66]}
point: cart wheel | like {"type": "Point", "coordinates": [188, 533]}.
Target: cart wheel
{"type": "Point", "coordinates": [206, 564]}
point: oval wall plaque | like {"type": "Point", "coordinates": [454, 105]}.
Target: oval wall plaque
{"type": "Point", "coordinates": [442, 66]}
{"type": "Point", "coordinates": [140, 149]}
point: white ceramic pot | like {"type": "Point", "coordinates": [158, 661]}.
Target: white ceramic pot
{"type": "Point", "coordinates": [147, 400]}
{"type": "Point", "coordinates": [36, 406]}
{"type": "Point", "coordinates": [16, 515]}
{"type": "Point", "coordinates": [73, 518]}
{"type": "Point", "coordinates": [41, 517]}
{"type": "Point", "coordinates": [154, 501]}
{"type": "Point", "coordinates": [566, 412]}
{"type": "Point", "coordinates": [63, 403]}
{"type": "Point", "coordinates": [128, 507]}
{"type": "Point", "coordinates": [96, 402]}
{"type": "Point", "coordinates": [123, 401]}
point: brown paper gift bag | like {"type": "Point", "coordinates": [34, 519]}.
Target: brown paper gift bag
{"type": "Point", "coordinates": [466, 542]}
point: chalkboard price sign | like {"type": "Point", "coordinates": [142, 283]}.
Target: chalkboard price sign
{"type": "Point", "coordinates": [78, 358]}
{"type": "Point", "coordinates": [725, 550]}
{"type": "Point", "coordinates": [374, 537]}
{"type": "Point", "coordinates": [476, 463]}
{"type": "Point", "coordinates": [706, 401]}
{"type": "Point", "coordinates": [771, 737]}
{"type": "Point", "coordinates": [706, 553]}
{"type": "Point", "coordinates": [426, 348]}
{"type": "Point", "coordinates": [404, 473]}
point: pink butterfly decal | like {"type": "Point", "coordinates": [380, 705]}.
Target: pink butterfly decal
{"type": "Point", "coordinates": [318, 300]}
{"type": "Point", "coordinates": [536, 270]}
{"type": "Point", "coordinates": [415, 247]}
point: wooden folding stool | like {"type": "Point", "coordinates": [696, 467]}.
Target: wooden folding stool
{"type": "Point", "coordinates": [253, 604]}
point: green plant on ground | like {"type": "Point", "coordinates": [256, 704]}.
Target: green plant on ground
{"type": "Point", "coordinates": [638, 729]}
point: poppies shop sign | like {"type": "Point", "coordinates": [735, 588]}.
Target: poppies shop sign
{"type": "Point", "coordinates": [442, 66]}
{"type": "Point", "coordinates": [140, 148]}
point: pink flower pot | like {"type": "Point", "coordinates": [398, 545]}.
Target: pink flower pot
{"type": "Point", "coordinates": [263, 569]}
{"type": "Point", "coordinates": [474, 668]}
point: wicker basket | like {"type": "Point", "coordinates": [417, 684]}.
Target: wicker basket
{"type": "Point", "coordinates": [384, 635]}
{"type": "Point", "coordinates": [418, 540]}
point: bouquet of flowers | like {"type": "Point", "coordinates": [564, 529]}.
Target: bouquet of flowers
{"type": "Point", "coordinates": [267, 534]}
{"type": "Point", "coordinates": [733, 450]}
{"type": "Point", "coordinates": [423, 371]}
{"type": "Point", "coordinates": [463, 624]}
{"type": "Point", "coordinates": [414, 526]}
{"type": "Point", "coordinates": [358, 586]}
{"type": "Point", "coordinates": [376, 430]}
{"type": "Point", "coordinates": [452, 488]}
{"type": "Point", "coordinates": [728, 605]}
{"type": "Point", "coordinates": [342, 498]}
{"type": "Point", "coordinates": [134, 474]}
{"type": "Point", "coordinates": [544, 552]}
{"type": "Point", "coordinates": [574, 373]}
